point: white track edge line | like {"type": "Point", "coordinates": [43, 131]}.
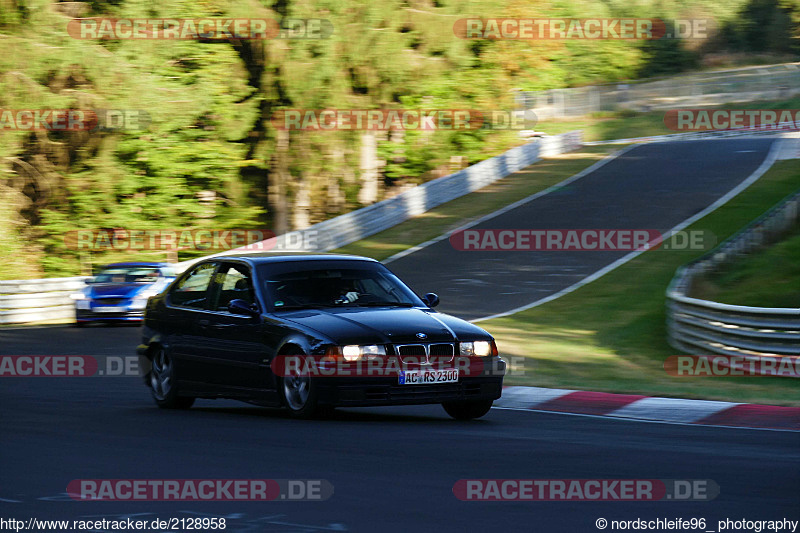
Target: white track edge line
{"type": "Point", "coordinates": [514, 205]}
{"type": "Point", "coordinates": [621, 419]}
{"type": "Point", "coordinates": [765, 165]}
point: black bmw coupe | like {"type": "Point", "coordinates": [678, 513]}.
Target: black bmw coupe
{"type": "Point", "coordinates": [310, 333]}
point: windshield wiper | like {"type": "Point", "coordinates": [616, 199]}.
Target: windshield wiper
{"type": "Point", "coordinates": [349, 304]}
{"type": "Point", "coordinates": [384, 304]}
{"type": "Point", "coordinates": [301, 306]}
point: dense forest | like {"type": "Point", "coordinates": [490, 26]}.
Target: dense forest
{"type": "Point", "coordinates": [209, 156]}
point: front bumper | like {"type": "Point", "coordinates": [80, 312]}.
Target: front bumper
{"type": "Point", "coordinates": [377, 391]}
{"type": "Point", "coordinates": [123, 313]}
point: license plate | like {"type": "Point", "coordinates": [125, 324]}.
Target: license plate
{"type": "Point", "coordinates": [427, 377]}
{"type": "Point", "coordinates": [107, 309]}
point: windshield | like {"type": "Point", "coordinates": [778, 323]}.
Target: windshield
{"type": "Point", "coordinates": [128, 275]}
{"type": "Point", "coordinates": [338, 287]}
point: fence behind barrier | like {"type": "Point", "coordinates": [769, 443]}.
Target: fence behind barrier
{"type": "Point", "coordinates": [768, 82]}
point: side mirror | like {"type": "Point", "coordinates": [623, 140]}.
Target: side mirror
{"type": "Point", "coordinates": [240, 307]}
{"type": "Point", "coordinates": [89, 281]}
{"type": "Point", "coordinates": [431, 299]}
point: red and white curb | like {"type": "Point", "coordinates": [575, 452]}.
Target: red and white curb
{"type": "Point", "coordinates": [636, 407]}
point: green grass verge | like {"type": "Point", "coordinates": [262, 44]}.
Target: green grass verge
{"type": "Point", "coordinates": [767, 278]}
{"type": "Point", "coordinates": [451, 215]}
{"type": "Point", "coordinates": [610, 335]}
{"type": "Point", "coordinates": [628, 124]}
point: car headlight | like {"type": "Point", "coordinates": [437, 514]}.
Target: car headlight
{"type": "Point", "coordinates": [78, 296]}
{"type": "Point", "coordinates": [354, 352]}
{"type": "Point", "coordinates": [147, 293]}
{"type": "Point", "coordinates": [140, 300]}
{"type": "Point", "coordinates": [478, 348]}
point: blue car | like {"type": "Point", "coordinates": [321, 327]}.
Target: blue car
{"type": "Point", "coordinates": [120, 291]}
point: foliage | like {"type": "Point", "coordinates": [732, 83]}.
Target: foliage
{"type": "Point", "coordinates": [211, 104]}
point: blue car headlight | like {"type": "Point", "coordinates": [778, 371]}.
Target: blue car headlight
{"type": "Point", "coordinates": [81, 300]}
{"type": "Point", "coordinates": [138, 303]}
{"type": "Point", "coordinates": [140, 300]}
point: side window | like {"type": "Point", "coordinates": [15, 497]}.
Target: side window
{"type": "Point", "coordinates": [233, 283]}
{"type": "Point", "coordinates": [192, 291]}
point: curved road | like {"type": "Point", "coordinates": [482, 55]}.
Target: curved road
{"type": "Point", "coordinates": [652, 186]}
{"type": "Point", "coordinates": [392, 469]}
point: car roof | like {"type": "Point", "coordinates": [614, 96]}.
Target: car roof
{"type": "Point", "coordinates": [283, 257]}
{"type": "Point", "coordinates": [137, 264]}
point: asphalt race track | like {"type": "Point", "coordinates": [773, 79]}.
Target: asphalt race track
{"type": "Point", "coordinates": [393, 469]}
{"type": "Point", "coordinates": [653, 187]}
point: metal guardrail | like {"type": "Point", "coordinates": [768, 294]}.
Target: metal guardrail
{"type": "Point", "coordinates": [768, 82]}
{"type": "Point", "coordinates": [38, 300]}
{"type": "Point", "coordinates": [375, 218]}
{"type": "Point", "coordinates": [700, 326]}
{"type": "Point", "coordinates": [33, 301]}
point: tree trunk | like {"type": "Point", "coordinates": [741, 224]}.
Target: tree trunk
{"type": "Point", "coordinates": [368, 193]}
{"type": "Point", "coordinates": [279, 179]}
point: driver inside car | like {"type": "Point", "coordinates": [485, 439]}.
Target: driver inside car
{"type": "Point", "coordinates": [347, 293]}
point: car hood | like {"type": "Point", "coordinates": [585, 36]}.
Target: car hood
{"type": "Point", "coordinates": [116, 290]}
{"type": "Point", "coordinates": [386, 326]}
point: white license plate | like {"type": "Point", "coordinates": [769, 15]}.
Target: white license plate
{"type": "Point", "coordinates": [427, 377]}
{"type": "Point", "coordinates": [107, 309]}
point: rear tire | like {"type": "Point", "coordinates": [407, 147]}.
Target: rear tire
{"type": "Point", "coordinates": [468, 410]}
{"type": "Point", "coordinates": [163, 382]}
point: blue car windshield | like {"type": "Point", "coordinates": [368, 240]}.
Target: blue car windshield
{"type": "Point", "coordinates": [338, 287]}
{"type": "Point", "coordinates": [128, 275]}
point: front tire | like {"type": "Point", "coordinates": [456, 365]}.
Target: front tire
{"type": "Point", "coordinates": [300, 395]}
{"type": "Point", "coordinates": [163, 382]}
{"type": "Point", "coordinates": [468, 410]}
